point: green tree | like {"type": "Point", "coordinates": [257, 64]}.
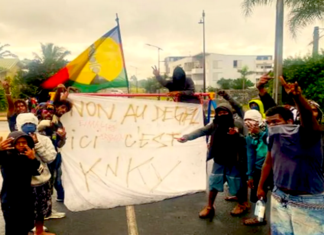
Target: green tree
{"type": "Point", "coordinates": [246, 83]}
{"type": "Point", "coordinates": [301, 12]}
{"type": "Point", "coordinates": [225, 83]}
{"type": "Point", "coordinates": [151, 85]}
{"type": "Point", "coordinates": [308, 71]}
{"type": "Point", "coordinates": [211, 89]}
{"type": "Point", "coordinates": [241, 83]}
{"type": "Point", "coordinates": [38, 70]}
{"type": "Point", "coordinates": [51, 54]}
{"type": "Point", "coordinates": [5, 53]}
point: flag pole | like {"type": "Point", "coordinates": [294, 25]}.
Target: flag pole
{"type": "Point", "coordinates": [122, 51]}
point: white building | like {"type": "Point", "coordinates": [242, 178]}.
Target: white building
{"type": "Point", "coordinates": [219, 66]}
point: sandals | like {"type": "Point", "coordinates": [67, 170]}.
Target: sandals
{"type": "Point", "coordinates": [254, 222]}
{"type": "Point", "coordinates": [239, 210]}
{"type": "Point", "coordinates": [207, 213]}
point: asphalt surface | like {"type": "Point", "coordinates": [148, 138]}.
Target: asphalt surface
{"type": "Point", "coordinates": [177, 216]}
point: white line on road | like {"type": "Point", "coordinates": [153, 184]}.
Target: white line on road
{"type": "Point", "coordinates": [131, 220]}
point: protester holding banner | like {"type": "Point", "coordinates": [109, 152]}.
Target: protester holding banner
{"type": "Point", "coordinates": [45, 153]}
{"type": "Point", "coordinates": [53, 128]}
{"type": "Point", "coordinates": [46, 127]}
{"type": "Point", "coordinates": [227, 147]}
{"type": "Point", "coordinates": [14, 108]}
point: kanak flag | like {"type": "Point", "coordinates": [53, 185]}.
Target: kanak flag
{"type": "Point", "coordinates": [99, 66]}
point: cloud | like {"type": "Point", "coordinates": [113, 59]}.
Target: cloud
{"type": "Point", "coordinates": [171, 25]}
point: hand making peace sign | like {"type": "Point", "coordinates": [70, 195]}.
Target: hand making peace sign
{"type": "Point", "coordinates": [6, 145]}
{"type": "Point", "coordinates": [156, 72]}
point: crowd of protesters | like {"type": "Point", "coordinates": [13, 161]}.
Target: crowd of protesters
{"type": "Point", "coordinates": [278, 149]}
{"type": "Point", "coordinates": [30, 161]}
{"type": "Point", "coordinates": [267, 148]}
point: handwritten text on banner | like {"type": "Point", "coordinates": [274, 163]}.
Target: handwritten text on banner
{"type": "Point", "coordinates": [124, 151]}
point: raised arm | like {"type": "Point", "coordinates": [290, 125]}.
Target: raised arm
{"type": "Point", "coordinates": [4, 147]}
{"type": "Point", "coordinates": [235, 105]}
{"type": "Point", "coordinates": [11, 106]}
{"type": "Point", "coordinates": [206, 130]}
{"type": "Point", "coordinates": [307, 119]}
{"type": "Point", "coordinates": [159, 78]}
{"type": "Point", "coordinates": [265, 97]}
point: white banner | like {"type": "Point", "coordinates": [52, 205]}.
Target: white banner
{"type": "Point", "coordinates": [123, 151]}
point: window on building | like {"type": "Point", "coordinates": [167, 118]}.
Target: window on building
{"type": "Point", "coordinates": [237, 64]}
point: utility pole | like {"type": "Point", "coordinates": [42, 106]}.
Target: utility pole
{"type": "Point", "coordinates": [316, 38]}
{"type": "Point", "coordinates": [159, 49]}
{"type": "Point", "coordinates": [202, 21]}
{"type": "Point", "coordinates": [277, 88]}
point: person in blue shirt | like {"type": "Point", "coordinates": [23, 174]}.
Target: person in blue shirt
{"type": "Point", "coordinates": [257, 148]}
{"type": "Point", "coordinates": [295, 157]}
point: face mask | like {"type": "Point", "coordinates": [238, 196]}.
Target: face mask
{"type": "Point", "coordinates": [256, 108]}
{"type": "Point", "coordinates": [29, 128]}
{"type": "Point", "coordinates": [224, 120]}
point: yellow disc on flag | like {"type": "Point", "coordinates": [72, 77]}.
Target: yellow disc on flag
{"type": "Point", "coordinates": [104, 59]}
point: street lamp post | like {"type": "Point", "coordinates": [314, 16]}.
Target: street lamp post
{"type": "Point", "coordinates": [159, 49]}
{"type": "Point", "coordinates": [202, 21]}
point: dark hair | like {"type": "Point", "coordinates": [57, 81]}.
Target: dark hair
{"type": "Point", "coordinates": [285, 113]}
{"type": "Point", "coordinates": [20, 102]}
{"type": "Point", "coordinates": [67, 103]}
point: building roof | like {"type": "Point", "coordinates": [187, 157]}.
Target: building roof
{"type": "Point", "coordinates": [7, 64]}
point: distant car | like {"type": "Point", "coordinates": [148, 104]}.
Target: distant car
{"type": "Point", "coordinates": [116, 91]}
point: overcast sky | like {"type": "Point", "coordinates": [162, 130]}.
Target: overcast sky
{"type": "Point", "coordinates": [172, 25]}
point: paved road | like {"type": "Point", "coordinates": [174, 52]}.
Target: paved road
{"type": "Point", "coordinates": [171, 217]}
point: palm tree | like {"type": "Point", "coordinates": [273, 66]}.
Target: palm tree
{"type": "Point", "coordinates": [51, 53]}
{"type": "Point", "coordinates": [244, 71]}
{"type": "Point", "coordinates": [301, 12]}
{"type": "Point", "coordinates": [5, 53]}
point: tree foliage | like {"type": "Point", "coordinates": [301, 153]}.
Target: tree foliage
{"type": "Point", "coordinates": [301, 13]}
{"type": "Point", "coordinates": [5, 53]}
{"type": "Point", "coordinates": [151, 85]}
{"type": "Point", "coordinates": [27, 84]}
{"type": "Point", "coordinates": [225, 83]}
{"type": "Point", "coordinates": [308, 71]}
{"type": "Point", "coordinates": [238, 83]}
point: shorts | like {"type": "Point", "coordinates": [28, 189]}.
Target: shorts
{"type": "Point", "coordinates": [221, 174]}
{"type": "Point", "coordinates": [42, 198]}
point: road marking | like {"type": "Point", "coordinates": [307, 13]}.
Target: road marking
{"type": "Point", "coordinates": [131, 220]}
